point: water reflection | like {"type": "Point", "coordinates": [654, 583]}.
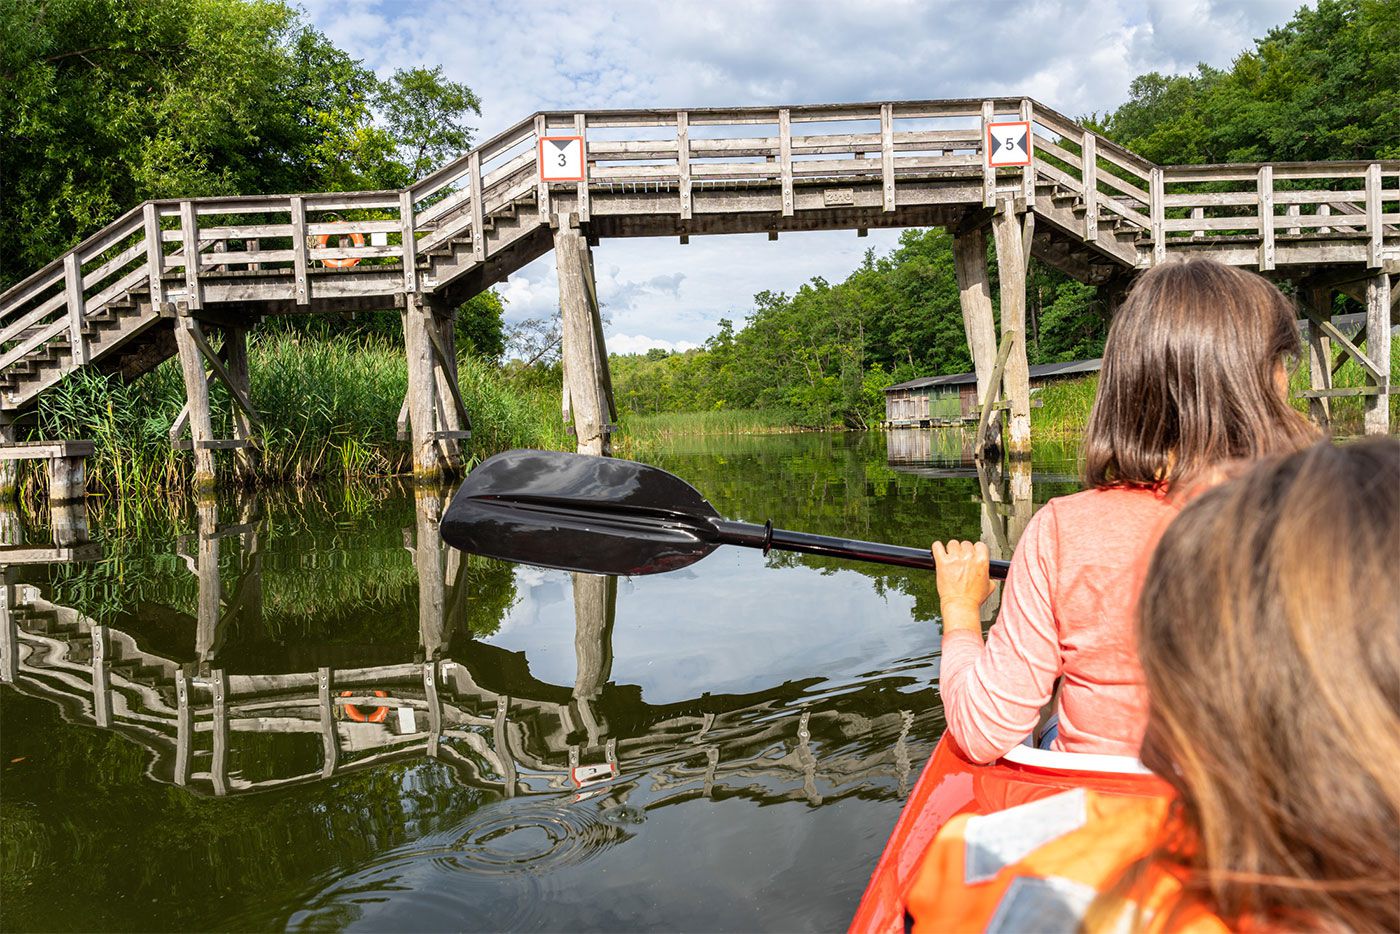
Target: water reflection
{"type": "Point", "coordinates": [772, 709]}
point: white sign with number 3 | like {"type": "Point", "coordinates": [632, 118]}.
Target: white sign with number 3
{"type": "Point", "coordinates": [561, 158]}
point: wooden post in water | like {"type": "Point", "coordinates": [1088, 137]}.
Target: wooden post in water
{"type": "Point", "coordinates": [1319, 354]}
{"type": "Point", "coordinates": [9, 469]}
{"type": "Point", "coordinates": [422, 390]}
{"type": "Point", "coordinates": [208, 638]}
{"type": "Point", "coordinates": [197, 398]}
{"type": "Point", "coordinates": [453, 421]}
{"type": "Point", "coordinates": [428, 547]}
{"type": "Point", "coordinates": [582, 339]}
{"type": "Point", "coordinates": [1378, 348]}
{"type": "Point", "coordinates": [975, 296]}
{"type": "Point", "coordinates": [1011, 245]}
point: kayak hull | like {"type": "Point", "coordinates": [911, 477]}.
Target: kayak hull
{"type": "Point", "coordinates": [952, 784]}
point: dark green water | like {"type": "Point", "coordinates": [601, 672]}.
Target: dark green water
{"type": "Point", "coordinates": [721, 748]}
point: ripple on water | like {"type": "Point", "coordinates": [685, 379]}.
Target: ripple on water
{"type": "Point", "coordinates": [492, 871]}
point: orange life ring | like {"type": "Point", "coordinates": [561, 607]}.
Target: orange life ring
{"type": "Point", "coordinates": [377, 715]}
{"type": "Point", "coordinates": [355, 240]}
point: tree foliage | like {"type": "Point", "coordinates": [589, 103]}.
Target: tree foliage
{"type": "Point", "coordinates": [111, 102]}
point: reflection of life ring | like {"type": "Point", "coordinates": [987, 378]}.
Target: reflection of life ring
{"type": "Point", "coordinates": [377, 715]}
{"type": "Point", "coordinates": [341, 241]}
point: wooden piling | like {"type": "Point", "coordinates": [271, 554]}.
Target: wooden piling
{"type": "Point", "coordinates": [422, 390]}
{"type": "Point", "coordinates": [1319, 354]}
{"type": "Point", "coordinates": [1007, 230]}
{"type": "Point", "coordinates": [595, 607]}
{"type": "Point", "coordinates": [1378, 349]}
{"type": "Point", "coordinates": [975, 296]}
{"type": "Point", "coordinates": [236, 356]}
{"type": "Point", "coordinates": [582, 342]}
{"type": "Point", "coordinates": [197, 400]}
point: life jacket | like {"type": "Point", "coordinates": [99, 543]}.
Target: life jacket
{"type": "Point", "coordinates": [1039, 866]}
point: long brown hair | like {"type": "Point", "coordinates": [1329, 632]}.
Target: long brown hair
{"type": "Point", "coordinates": [1188, 377]}
{"type": "Point", "coordinates": [1270, 641]}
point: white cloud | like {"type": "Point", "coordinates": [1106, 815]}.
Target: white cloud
{"type": "Point", "coordinates": [640, 343]}
{"type": "Point", "coordinates": [1077, 57]}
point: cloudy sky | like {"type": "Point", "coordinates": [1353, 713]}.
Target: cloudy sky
{"type": "Point", "coordinates": [528, 55]}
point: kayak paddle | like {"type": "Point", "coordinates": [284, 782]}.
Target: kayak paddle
{"type": "Point", "coordinates": [603, 515]}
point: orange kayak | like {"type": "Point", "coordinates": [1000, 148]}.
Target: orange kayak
{"type": "Point", "coordinates": [952, 784]}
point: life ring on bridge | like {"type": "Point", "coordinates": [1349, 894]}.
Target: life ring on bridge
{"type": "Point", "coordinates": [342, 241]}
{"type": "Point", "coordinates": [377, 715]}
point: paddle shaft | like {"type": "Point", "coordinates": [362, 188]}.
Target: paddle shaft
{"type": "Point", "coordinates": [765, 537]}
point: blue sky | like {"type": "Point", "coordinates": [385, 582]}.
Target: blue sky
{"type": "Point", "coordinates": [533, 55]}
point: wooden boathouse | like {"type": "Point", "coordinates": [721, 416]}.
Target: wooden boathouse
{"type": "Point", "coordinates": [191, 277]}
{"type": "Point", "coordinates": [932, 401]}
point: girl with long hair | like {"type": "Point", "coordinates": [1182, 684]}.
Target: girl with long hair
{"type": "Point", "coordinates": [1194, 375]}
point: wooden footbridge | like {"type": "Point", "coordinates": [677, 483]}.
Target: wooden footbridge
{"type": "Point", "coordinates": [157, 281]}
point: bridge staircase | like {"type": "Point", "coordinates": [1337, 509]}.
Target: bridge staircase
{"type": "Point", "coordinates": [124, 299]}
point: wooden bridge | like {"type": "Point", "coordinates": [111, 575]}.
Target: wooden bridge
{"type": "Point", "coordinates": [157, 280]}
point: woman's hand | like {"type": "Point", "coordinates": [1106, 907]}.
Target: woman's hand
{"type": "Point", "coordinates": [964, 581]}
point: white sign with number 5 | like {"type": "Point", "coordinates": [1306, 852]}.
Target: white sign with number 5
{"type": "Point", "coordinates": [1009, 143]}
{"type": "Point", "coordinates": [561, 158]}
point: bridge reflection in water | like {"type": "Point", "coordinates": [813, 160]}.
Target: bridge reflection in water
{"type": "Point", "coordinates": [474, 706]}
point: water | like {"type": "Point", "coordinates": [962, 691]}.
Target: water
{"type": "Point", "coordinates": [721, 748]}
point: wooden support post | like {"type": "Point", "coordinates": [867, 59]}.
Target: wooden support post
{"type": "Point", "coordinates": [580, 364]}
{"type": "Point", "coordinates": [600, 352]}
{"type": "Point", "coordinates": [581, 130]}
{"type": "Point", "coordinates": [975, 296]}
{"type": "Point", "coordinates": [1266, 218]}
{"type": "Point", "coordinates": [541, 187]}
{"type": "Point", "coordinates": [155, 254]}
{"type": "Point", "coordinates": [454, 420]}
{"type": "Point", "coordinates": [433, 634]}
{"type": "Point", "coordinates": [9, 469]}
{"type": "Point", "coordinates": [101, 678]}
{"type": "Point", "coordinates": [77, 307]}
{"type": "Point", "coordinates": [218, 766]}
{"type": "Point", "coordinates": [197, 399]}
{"type": "Point", "coordinates": [1088, 154]}
{"type": "Point", "coordinates": [1028, 172]}
{"type": "Point", "coordinates": [301, 260]}
{"type": "Point", "coordinates": [184, 728]}
{"type": "Point", "coordinates": [785, 158]}
{"type": "Point", "coordinates": [330, 736]}
{"type": "Point", "coordinates": [1158, 212]}
{"type": "Point", "coordinates": [478, 211]}
{"type": "Point", "coordinates": [67, 479]}
{"type": "Point", "coordinates": [887, 155]}
{"type": "Point", "coordinates": [1319, 301]}
{"type": "Point", "coordinates": [189, 245]}
{"type": "Point", "coordinates": [422, 390]}
{"type": "Point", "coordinates": [989, 174]}
{"type": "Point", "coordinates": [68, 524]}
{"type": "Point", "coordinates": [1021, 506]}
{"type": "Point", "coordinates": [409, 247]}
{"type": "Point", "coordinates": [683, 161]}
{"type": "Point", "coordinates": [501, 740]}
{"type": "Point", "coordinates": [1375, 244]}
{"type": "Point", "coordinates": [241, 389]}
{"type": "Point", "coordinates": [1378, 287]}
{"type": "Point", "coordinates": [1007, 230]}
{"type": "Point", "coordinates": [9, 630]}
{"type": "Point", "coordinates": [1196, 215]}
{"type": "Point", "coordinates": [1294, 211]}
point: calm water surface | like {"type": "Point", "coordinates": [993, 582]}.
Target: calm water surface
{"type": "Point", "coordinates": [721, 748]}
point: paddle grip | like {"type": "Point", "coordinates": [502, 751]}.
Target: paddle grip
{"type": "Point", "coordinates": [765, 537]}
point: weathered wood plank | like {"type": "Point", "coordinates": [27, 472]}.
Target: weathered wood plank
{"type": "Point", "coordinates": [1266, 218]}
{"type": "Point", "coordinates": [1028, 171]}
{"type": "Point", "coordinates": [541, 186]}
{"type": "Point", "coordinates": [1376, 245]}
{"type": "Point", "coordinates": [155, 253]}
{"type": "Point", "coordinates": [301, 290]}
{"type": "Point", "coordinates": [887, 154]}
{"type": "Point", "coordinates": [785, 158]}
{"type": "Point", "coordinates": [73, 285]}
{"type": "Point", "coordinates": [989, 174]}
{"type": "Point", "coordinates": [408, 245]}
{"type": "Point", "coordinates": [45, 450]}
{"type": "Point", "coordinates": [189, 251]}
{"type": "Point", "coordinates": [1158, 214]}
{"type": "Point", "coordinates": [581, 130]}
{"type": "Point", "coordinates": [1377, 417]}
{"type": "Point", "coordinates": [683, 161]}
{"type": "Point", "coordinates": [1088, 172]}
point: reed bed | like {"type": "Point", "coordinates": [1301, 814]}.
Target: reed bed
{"type": "Point", "coordinates": [329, 407]}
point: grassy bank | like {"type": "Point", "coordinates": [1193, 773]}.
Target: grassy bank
{"type": "Point", "coordinates": [641, 432]}
{"type": "Point", "coordinates": [329, 406]}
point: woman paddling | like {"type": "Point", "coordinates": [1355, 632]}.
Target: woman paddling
{"type": "Point", "coordinates": [1193, 376]}
{"type": "Point", "coordinates": [1270, 642]}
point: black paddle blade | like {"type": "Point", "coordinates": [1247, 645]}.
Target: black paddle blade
{"type": "Point", "coordinates": [580, 513]}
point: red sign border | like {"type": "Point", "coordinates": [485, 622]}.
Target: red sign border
{"type": "Point", "coordinates": [987, 147]}
{"type": "Point", "coordinates": [583, 161]}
